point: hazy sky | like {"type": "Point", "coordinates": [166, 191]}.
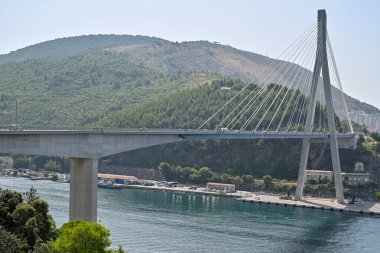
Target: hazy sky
{"type": "Point", "coordinates": [266, 26]}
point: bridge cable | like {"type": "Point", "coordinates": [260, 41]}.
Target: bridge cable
{"type": "Point", "coordinates": [320, 156]}
{"type": "Point", "coordinates": [301, 53]}
{"type": "Point", "coordinates": [290, 66]}
{"type": "Point", "coordinates": [331, 53]}
{"type": "Point", "coordinates": [305, 90]}
{"type": "Point", "coordinates": [246, 108]}
{"type": "Point", "coordinates": [303, 116]}
{"type": "Point", "coordinates": [312, 26]}
{"type": "Point", "coordinates": [280, 65]}
{"type": "Point", "coordinates": [335, 103]}
{"type": "Point", "coordinates": [299, 92]}
{"type": "Point", "coordinates": [294, 84]}
{"type": "Point", "coordinates": [257, 96]}
{"type": "Point", "coordinates": [301, 96]}
{"type": "Point", "coordinates": [290, 87]}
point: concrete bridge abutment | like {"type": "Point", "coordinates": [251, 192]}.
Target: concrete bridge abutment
{"type": "Point", "coordinates": [83, 189]}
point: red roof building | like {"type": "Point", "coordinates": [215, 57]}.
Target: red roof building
{"type": "Point", "coordinates": [221, 187]}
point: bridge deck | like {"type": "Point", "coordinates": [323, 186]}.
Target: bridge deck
{"type": "Point", "coordinates": [185, 134]}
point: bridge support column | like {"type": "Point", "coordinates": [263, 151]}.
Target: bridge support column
{"type": "Point", "coordinates": [83, 187]}
{"type": "Point", "coordinates": [331, 115]}
{"type": "Point", "coordinates": [302, 168]}
{"type": "Point", "coordinates": [321, 65]}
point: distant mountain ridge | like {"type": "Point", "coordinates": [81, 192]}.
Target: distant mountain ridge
{"type": "Point", "coordinates": [73, 46]}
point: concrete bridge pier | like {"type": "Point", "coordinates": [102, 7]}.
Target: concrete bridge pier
{"type": "Point", "coordinates": [83, 189]}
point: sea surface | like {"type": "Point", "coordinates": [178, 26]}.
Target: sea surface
{"type": "Point", "coordinates": [155, 221]}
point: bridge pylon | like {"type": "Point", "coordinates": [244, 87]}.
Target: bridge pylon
{"type": "Point", "coordinates": [321, 65]}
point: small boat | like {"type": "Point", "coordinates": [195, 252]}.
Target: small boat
{"type": "Point", "coordinates": [40, 178]}
{"type": "Point", "coordinates": [109, 185]}
{"type": "Point", "coordinates": [63, 180]}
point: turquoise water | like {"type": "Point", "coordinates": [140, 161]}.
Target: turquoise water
{"type": "Point", "coordinates": [154, 221]}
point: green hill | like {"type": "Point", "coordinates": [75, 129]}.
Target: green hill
{"type": "Point", "coordinates": [190, 107]}
{"type": "Point", "coordinates": [139, 81]}
{"type": "Point", "coordinates": [79, 90]}
{"type": "Point", "coordinates": [79, 80]}
{"type": "Point", "coordinates": [73, 46]}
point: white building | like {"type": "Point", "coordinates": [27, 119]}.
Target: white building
{"type": "Point", "coordinates": [372, 121]}
{"type": "Point", "coordinates": [6, 162]}
{"type": "Point", "coordinates": [118, 179]}
{"type": "Point", "coordinates": [356, 178]}
{"type": "Point", "coordinates": [221, 187]}
{"type": "Point", "coordinates": [318, 175]}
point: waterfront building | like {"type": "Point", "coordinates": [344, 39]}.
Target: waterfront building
{"type": "Point", "coordinates": [221, 187]}
{"type": "Point", "coordinates": [7, 172]}
{"type": "Point", "coordinates": [6, 162]}
{"type": "Point", "coordinates": [118, 179]}
{"type": "Point", "coordinates": [318, 175]}
{"type": "Point", "coordinates": [358, 177]}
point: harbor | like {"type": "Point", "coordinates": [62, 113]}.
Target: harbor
{"type": "Point", "coordinates": [110, 181]}
{"type": "Point", "coordinates": [360, 207]}
{"type": "Point", "coordinates": [144, 220]}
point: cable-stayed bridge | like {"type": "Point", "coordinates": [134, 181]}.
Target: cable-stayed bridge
{"type": "Point", "coordinates": [297, 96]}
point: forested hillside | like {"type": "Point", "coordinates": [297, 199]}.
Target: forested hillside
{"type": "Point", "coordinates": [140, 81]}
{"type": "Point", "coordinates": [189, 108]}
{"type": "Point", "coordinates": [73, 46]}
{"type": "Point", "coordinates": [79, 80]}
{"type": "Point", "coordinates": [79, 90]}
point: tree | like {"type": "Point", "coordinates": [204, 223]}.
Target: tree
{"type": "Point", "coordinates": [248, 181]}
{"type": "Point", "coordinates": [237, 181]}
{"type": "Point", "coordinates": [27, 221]}
{"type": "Point", "coordinates": [26, 226]}
{"type": "Point", "coordinates": [8, 203]}
{"type": "Point", "coordinates": [166, 170]}
{"type": "Point", "coordinates": [10, 243]}
{"type": "Point", "coordinates": [31, 195]}
{"type": "Point", "coordinates": [377, 195]}
{"type": "Point", "coordinates": [52, 166]}
{"type": "Point", "coordinates": [22, 161]}
{"type": "Point", "coordinates": [83, 237]}
{"type": "Point", "coordinates": [267, 181]}
{"type": "Point", "coordinates": [204, 174]}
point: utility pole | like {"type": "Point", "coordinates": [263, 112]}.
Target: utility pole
{"type": "Point", "coordinates": [84, 115]}
{"type": "Point", "coordinates": [49, 116]}
{"type": "Point", "coordinates": [16, 114]}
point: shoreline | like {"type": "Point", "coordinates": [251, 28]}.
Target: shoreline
{"type": "Point", "coordinates": [369, 208]}
{"type": "Point", "coordinates": [185, 189]}
{"type": "Point", "coordinates": [366, 207]}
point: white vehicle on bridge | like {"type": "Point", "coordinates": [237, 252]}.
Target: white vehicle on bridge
{"type": "Point", "coordinates": [221, 129]}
